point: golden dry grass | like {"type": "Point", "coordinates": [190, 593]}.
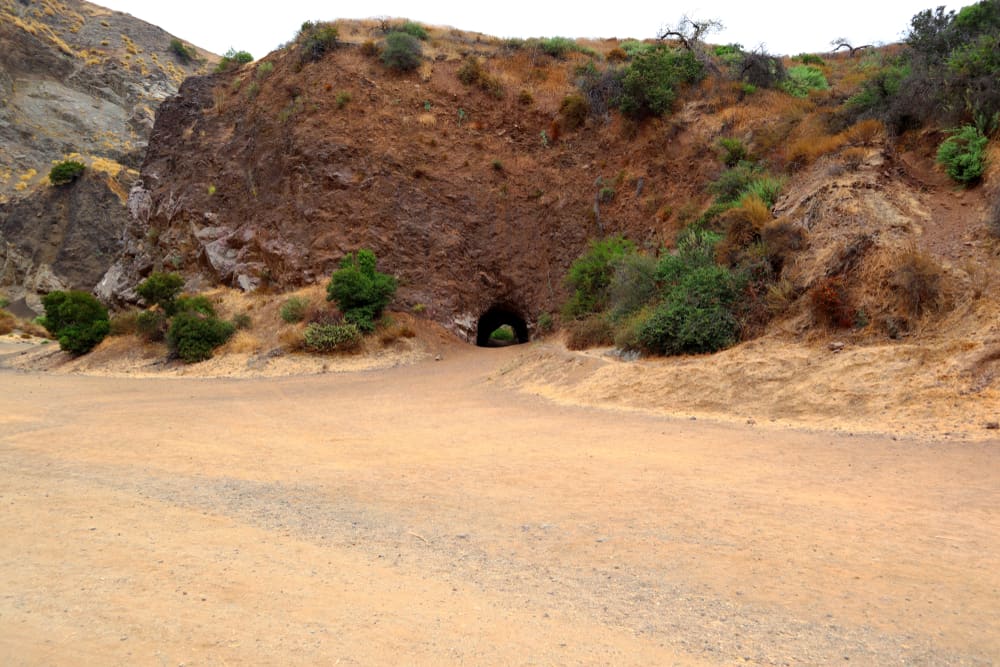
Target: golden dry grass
{"type": "Point", "coordinates": [242, 342]}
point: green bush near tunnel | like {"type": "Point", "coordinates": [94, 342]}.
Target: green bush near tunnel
{"type": "Point", "coordinates": [193, 336]}
{"type": "Point", "coordinates": [359, 290]}
{"type": "Point", "coordinates": [77, 319]}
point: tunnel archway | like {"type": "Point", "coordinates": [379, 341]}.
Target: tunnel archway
{"type": "Point", "coordinates": [496, 317]}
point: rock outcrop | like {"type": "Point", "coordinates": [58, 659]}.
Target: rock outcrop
{"type": "Point", "coordinates": [77, 81]}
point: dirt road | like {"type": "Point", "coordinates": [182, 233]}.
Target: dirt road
{"type": "Point", "coordinates": [429, 515]}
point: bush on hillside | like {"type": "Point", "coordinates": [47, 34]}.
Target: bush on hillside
{"type": "Point", "coordinates": [294, 309]}
{"type": "Point", "coordinates": [316, 39]}
{"type": "Point", "coordinates": [194, 303]}
{"type": "Point", "coordinates": [472, 73]}
{"type": "Point", "coordinates": [589, 276]}
{"type": "Point", "coordinates": [963, 154]}
{"type": "Point", "coordinates": [233, 59]}
{"type": "Point", "coordinates": [558, 47]}
{"type": "Point", "coordinates": [696, 315]}
{"type": "Point", "coordinates": [332, 337]}
{"type": "Point", "coordinates": [803, 78]}
{"type": "Point", "coordinates": [161, 289]}
{"type": "Point", "coordinates": [917, 283]}
{"type": "Point", "coordinates": [361, 292]}
{"type": "Point", "coordinates": [66, 172]}
{"type": "Point", "coordinates": [651, 80]}
{"type": "Point", "coordinates": [184, 54]}
{"type": "Point", "coordinates": [414, 30]}
{"type": "Point", "coordinates": [733, 151]}
{"type": "Point", "coordinates": [760, 70]}
{"type": "Point", "coordinates": [77, 319]}
{"type": "Point", "coordinates": [633, 284]}
{"type": "Point", "coordinates": [193, 336]}
{"type": "Point", "coordinates": [831, 303]}
{"type": "Point", "coordinates": [402, 51]}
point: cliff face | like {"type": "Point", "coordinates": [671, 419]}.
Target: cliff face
{"type": "Point", "coordinates": [76, 81]}
{"type": "Point", "coordinates": [267, 176]}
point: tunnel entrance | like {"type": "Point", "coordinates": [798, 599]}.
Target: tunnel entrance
{"type": "Point", "coordinates": [499, 326]}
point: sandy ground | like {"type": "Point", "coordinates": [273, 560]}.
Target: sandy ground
{"type": "Point", "coordinates": [434, 514]}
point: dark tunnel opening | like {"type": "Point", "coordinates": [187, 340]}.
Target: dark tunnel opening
{"type": "Point", "coordinates": [499, 318]}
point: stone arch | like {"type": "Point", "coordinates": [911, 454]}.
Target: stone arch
{"type": "Point", "coordinates": [495, 317]}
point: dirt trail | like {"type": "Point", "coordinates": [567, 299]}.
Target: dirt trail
{"type": "Point", "coordinates": [429, 515]}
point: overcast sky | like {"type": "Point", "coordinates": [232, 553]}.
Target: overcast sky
{"type": "Point", "coordinates": [783, 27]}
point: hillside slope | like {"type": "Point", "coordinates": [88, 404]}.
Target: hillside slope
{"type": "Point", "coordinates": [479, 197]}
{"type": "Point", "coordinates": [77, 81]}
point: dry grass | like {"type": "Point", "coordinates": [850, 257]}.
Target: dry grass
{"type": "Point", "coordinates": [7, 322]}
{"type": "Point", "coordinates": [865, 133]}
{"type": "Point", "coordinates": [917, 282]}
{"type": "Point", "coordinates": [594, 331]}
{"type": "Point", "coordinates": [242, 342]}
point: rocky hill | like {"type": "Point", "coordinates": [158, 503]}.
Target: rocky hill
{"type": "Point", "coordinates": [77, 81]}
{"type": "Point", "coordinates": [476, 181]}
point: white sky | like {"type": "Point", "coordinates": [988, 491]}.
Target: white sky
{"type": "Point", "coordinates": [783, 27]}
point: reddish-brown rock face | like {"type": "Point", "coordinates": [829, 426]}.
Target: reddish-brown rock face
{"type": "Point", "coordinates": [265, 179]}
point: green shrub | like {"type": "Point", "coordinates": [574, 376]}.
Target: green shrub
{"type": "Point", "coordinates": [695, 249]}
{"type": "Point", "coordinates": [803, 78]}
{"type": "Point", "coordinates": [558, 47]}
{"type": "Point", "coordinates": [194, 303]}
{"type": "Point", "coordinates": [184, 54]}
{"type": "Point", "coordinates": [414, 30]}
{"type": "Point", "coordinates": [401, 52]}
{"type": "Point", "coordinates": [696, 315]}
{"type": "Point", "coordinates": [193, 336]}
{"type": "Point", "coordinates": [744, 179]}
{"type": "Point", "coordinates": [733, 150]}
{"type": "Point", "coordinates": [264, 70]}
{"type": "Point", "coordinates": [294, 309]}
{"type": "Point", "coordinates": [77, 319]}
{"type": "Point", "coordinates": [361, 292]}
{"type": "Point", "coordinates": [161, 289]}
{"type": "Point", "coordinates": [633, 48]}
{"type": "Point", "coordinates": [650, 81]}
{"type": "Point", "coordinates": [316, 40]}
{"type": "Point", "coordinates": [66, 172]}
{"type": "Point", "coordinates": [626, 331]}
{"type": "Point", "coordinates": [766, 188]}
{"type": "Point", "coordinates": [589, 276]}
{"type": "Point", "coordinates": [633, 284]}
{"type": "Point", "coordinates": [332, 337]}
{"type": "Point", "coordinates": [954, 62]}
{"type": "Point", "coordinates": [810, 59]}
{"type": "Point", "coordinates": [233, 59]}
{"type": "Point", "coordinates": [963, 154]}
